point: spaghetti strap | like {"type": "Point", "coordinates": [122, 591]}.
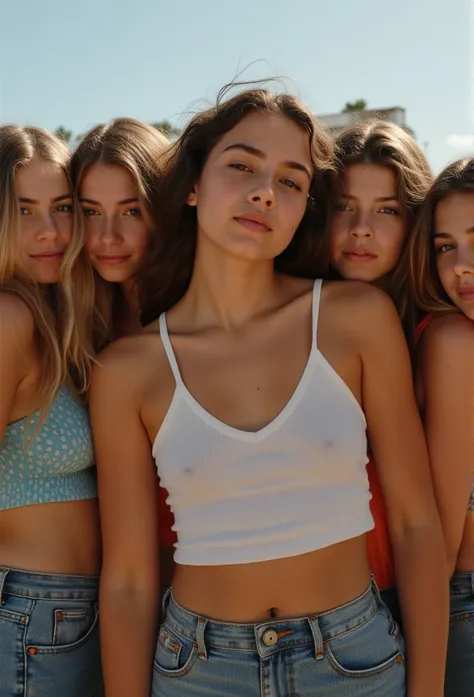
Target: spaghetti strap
{"type": "Point", "coordinates": [168, 348]}
{"type": "Point", "coordinates": [316, 303]}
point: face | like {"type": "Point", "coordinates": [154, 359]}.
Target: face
{"type": "Point", "coordinates": [46, 220]}
{"type": "Point", "coordinates": [367, 227]}
{"type": "Point", "coordinates": [116, 230]}
{"type": "Point", "coordinates": [254, 187]}
{"type": "Point", "coordinates": [453, 238]}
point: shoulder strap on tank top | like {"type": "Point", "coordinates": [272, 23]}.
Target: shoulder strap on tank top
{"type": "Point", "coordinates": [316, 303]}
{"type": "Point", "coordinates": [168, 348]}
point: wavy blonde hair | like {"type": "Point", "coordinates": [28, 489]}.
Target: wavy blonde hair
{"type": "Point", "coordinates": [62, 328]}
{"type": "Point", "coordinates": [139, 148]}
{"type": "Point", "coordinates": [388, 145]}
{"type": "Point", "coordinates": [426, 288]}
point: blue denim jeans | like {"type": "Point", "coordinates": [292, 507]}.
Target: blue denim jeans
{"type": "Point", "coordinates": [49, 635]}
{"type": "Point", "coordinates": [460, 664]}
{"type": "Point", "coordinates": [354, 651]}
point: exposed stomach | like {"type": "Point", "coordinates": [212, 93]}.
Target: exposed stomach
{"type": "Point", "coordinates": [61, 538]}
{"type": "Point", "coordinates": [290, 587]}
{"type": "Point", "coordinates": [465, 560]}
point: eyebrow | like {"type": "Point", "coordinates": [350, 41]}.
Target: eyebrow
{"type": "Point", "coordinates": [33, 201]}
{"type": "Point", "coordinates": [446, 235]}
{"type": "Point", "coordinates": [251, 150]}
{"type": "Point", "coordinates": [379, 198]}
{"type": "Point", "coordinates": [97, 203]}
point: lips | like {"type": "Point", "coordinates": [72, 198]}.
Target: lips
{"type": "Point", "coordinates": [359, 254]}
{"type": "Point", "coordinates": [112, 259]}
{"type": "Point", "coordinates": [254, 221]}
{"type": "Point", "coordinates": [466, 293]}
{"type": "Point", "coordinates": [48, 256]}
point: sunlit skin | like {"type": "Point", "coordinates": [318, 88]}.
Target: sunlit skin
{"type": "Point", "coordinates": [117, 231]}
{"type": "Point", "coordinates": [51, 537]}
{"type": "Point", "coordinates": [242, 335]}
{"type": "Point", "coordinates": [368, 226]}
{"type": "Point", "coordinates": [453, 238]}
{"type": "Point", "coordinates": [45, 219]}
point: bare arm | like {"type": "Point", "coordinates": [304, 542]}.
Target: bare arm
{"type": "Point", "coordinates": [129, 588]}
{"type": "Point", "coordinates": [446, 371]}
{"type": "Point", "coordinates": [16, 340]}
{"type": "Point", "coordinates": [398, 443]}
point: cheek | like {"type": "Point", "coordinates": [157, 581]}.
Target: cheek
{"type": "Point", "coordinates": [445, 271]}
{"type": "Point", "coordinates": [391, 239]}
{"type": "Point", "coordinates": [337, 237]}
{"type": "Point", "coordinates": [137, 239]}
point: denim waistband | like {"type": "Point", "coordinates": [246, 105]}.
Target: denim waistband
{"type": "Point", "coordinates": [29, 584]}
{"type": "Point", "coordinates": [462, 583]}
{"type": "Point", "coordinates": [274, 635]}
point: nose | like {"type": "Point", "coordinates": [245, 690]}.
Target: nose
{"type": "Point", "coordinates": [47, 229]}
{"type": "Point", "coordinates": [464, 262]}
{"type": "Point", "coordinates": [263, 194]}
{"type": "Point", "coordinates": [110, 230]}
{"type": "Point", "coordinates": [361, 227]}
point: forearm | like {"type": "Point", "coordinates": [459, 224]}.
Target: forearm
{"type": "Point", "coordinates": [128, 630]}
{"type": "Point", "coordinates": [422, 580]}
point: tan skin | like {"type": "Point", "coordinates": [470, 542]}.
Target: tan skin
{"type": "Point", "coordinates": [243, 330]}
{"type": "Point", "coordinates": [116, 237]}
{"type": "Point", "coordinates": [367, 226]}
{"type": "Point", "coordinates": [50, 537]}
{"type": "Point", "coordinates": [445, 381]}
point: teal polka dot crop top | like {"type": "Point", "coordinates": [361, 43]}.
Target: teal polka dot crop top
{"type": "Point", "coordinates": [57, 465]}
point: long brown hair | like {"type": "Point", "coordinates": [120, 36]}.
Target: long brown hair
{"type": "Point", "coordinates": [139, 148]}
{"type": "Point", "coordinates": [62, 331]}
{"type": "Point", "coordinates": [167, 274]}
{"type": "Point", "coordinates": [428, 293]}
{"type": "Point", "coordinates": [384, 143]}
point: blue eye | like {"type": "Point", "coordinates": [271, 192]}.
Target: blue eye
{"type": "Point", "coordinates": [64, 208]}
{"type": "Point", "coordinates": [134, 212]}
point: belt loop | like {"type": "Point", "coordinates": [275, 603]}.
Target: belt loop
{"type": "Point", "coordinates": [164, 601]}
{"type": "Point", "coordinates": [3, 575]}
{"type": "Point", "coordinates": [317, 636]}
{"type": "Point", "coordinates": [201, 644]}
{"type": "Point", "coordinates": [375, 590]}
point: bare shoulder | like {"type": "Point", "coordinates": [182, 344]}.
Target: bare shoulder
{"type": "Point", "coordinates": [359, 306]}
{"type": "Point", "coordinates": [448, 338]}
{"type": "Point", "coordinates": [131, 362]}
{"type": "Point", "coordinates": [16, 318]}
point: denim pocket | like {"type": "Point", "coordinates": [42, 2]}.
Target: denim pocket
{"type": "Point", "coordinates": [366, 650]}
{"type": "Point", "coordinates": [71, 625]}
{"type": "Point", "coordinates": [174, 655]}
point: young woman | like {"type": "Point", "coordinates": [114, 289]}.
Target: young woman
{"type": "Point", "coordinates": [252, 394]}
{"type": "Point", "coordinates": [49, 523]}
{"type": "Point", "coordinates": [115, 172]}
{"type": "Point", "coordinates": [383, 178]}
{"type": "Point", "coordinates": [442, 264]}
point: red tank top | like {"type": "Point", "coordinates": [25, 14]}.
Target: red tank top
{"type": "Point", "coordinates": [167, 536]}
{"type": "Point", "coordinates": [379, 548]}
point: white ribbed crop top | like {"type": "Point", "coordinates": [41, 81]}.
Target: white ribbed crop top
{"type": "Point", "coordinates": [296, 485]}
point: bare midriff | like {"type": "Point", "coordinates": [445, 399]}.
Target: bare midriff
{"type": "Point", "coordinates": [61, 538]}
{"type": "Point", "coordinates": [285, 588]}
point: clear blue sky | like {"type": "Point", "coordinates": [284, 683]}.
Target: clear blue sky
{"type": "Point", "coordinates": [79, 63]}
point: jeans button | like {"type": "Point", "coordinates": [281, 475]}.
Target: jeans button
{"type": "Point", "coordinates": [270, 637]}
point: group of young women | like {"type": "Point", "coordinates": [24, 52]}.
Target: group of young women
{"type": "Point", "coordinates": [236, 410]}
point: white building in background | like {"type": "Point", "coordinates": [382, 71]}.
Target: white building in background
{"type": "Point", "coordinates": [336, 122]}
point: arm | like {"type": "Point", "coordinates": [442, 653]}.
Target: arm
{"type": "Point", "coordinates": [446, 371]}
{"type": "Point", "coordinates": [16, 339]}
{"type": "Point", "coordinates": [129, 587]}
{"type": "Point", "coordinates": [397, 439]}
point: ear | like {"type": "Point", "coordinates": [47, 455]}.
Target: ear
{"type": "Point", "coordinates": [192, 197]}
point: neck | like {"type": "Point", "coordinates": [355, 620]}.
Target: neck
{"type": "Point", "coordinates": [130, 319]}
{"type": "Point", "coordinates": [229, 291]}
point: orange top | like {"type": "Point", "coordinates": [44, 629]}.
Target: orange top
{"type": "Point", "coordinates": [167, 536]}
{"type": "Point", "coordinates": [379, 547]}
